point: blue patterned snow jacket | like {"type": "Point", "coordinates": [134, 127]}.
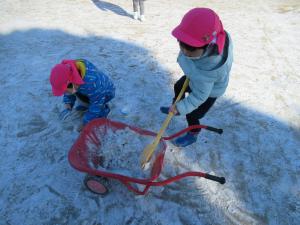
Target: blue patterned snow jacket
{"type": "Point", "coordinates": [98, 88]}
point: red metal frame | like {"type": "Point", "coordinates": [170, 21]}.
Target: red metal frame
{"type": "Point", "coordinates": [78, 155]}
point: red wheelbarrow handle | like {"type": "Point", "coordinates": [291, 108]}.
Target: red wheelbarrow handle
{"type": "Point", "coordinates": [213, 129]}
{"type": "Point", "coordinates": [221, 180]}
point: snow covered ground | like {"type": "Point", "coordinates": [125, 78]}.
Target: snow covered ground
{"type": "Point", "coordinates": [258, 153]}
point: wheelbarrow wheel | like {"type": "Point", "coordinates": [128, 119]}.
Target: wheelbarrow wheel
{"type": "Point", "coordinates": [96, 184]}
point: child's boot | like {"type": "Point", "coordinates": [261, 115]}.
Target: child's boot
{"type": "Point", "coordinates": [164, 110]}
{"type": "Point", "coordinates": [135, 15]}
{"type": "Point", "coordinates": [188, 139]}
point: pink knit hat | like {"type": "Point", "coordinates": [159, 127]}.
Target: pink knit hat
{"type": "Point", "coordinates": [199, 27]}
{"type": "Point", "coordinates": [62, 74]}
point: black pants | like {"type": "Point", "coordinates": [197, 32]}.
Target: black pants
{"type": "Point", "coordinates": [194, 116]}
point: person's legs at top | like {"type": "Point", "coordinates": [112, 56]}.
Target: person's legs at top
{"type": "Point", "coordinates": [142, 10]}
{"type": "Point", "coordinates": [135, 9]}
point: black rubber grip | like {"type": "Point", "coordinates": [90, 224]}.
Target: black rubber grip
{"type": "Point", "coordinates": [219, 131]}
{"type": "Point", "coordinates": [221, 180]}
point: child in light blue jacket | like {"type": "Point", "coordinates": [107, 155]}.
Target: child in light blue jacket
{"type": "Point", "coordinates": [206, 59]}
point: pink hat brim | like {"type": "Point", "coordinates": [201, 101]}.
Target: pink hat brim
{"type": "Point", "coordinates": [179, 35]}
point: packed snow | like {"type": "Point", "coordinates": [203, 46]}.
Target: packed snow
{"type": "Point", "coordinates": [119, 151]}
{"type": "Point", "coordinates": [258, 153]}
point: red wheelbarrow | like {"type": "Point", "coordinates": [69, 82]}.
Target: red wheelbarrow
{"type": "Point", "coordinates": [97, 180]}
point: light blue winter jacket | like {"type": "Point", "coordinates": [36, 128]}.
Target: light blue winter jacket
{"type": "Point", "coordinates": [209, 76]}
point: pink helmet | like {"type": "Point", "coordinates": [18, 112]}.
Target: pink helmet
{"type": "Point", "coordinates": [62, 74]}
{"type": "Point", "coordinates": [199, 27]}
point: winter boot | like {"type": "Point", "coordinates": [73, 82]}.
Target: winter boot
{"type": "Point", "coordinates": [142, 18]}
{"type": "Point", "coordinates": [164, 110]}
{"type": "Point", "coordinates": [135, 15]}
{"type": "Point", "coordinates": [188, 139]}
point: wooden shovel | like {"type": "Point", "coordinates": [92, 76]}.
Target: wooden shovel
{"type": "Point", "coordinates": [149, 150]}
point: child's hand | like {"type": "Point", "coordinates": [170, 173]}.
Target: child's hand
{"type": "Point", "coordinates": [174, 110]}
{"type": "Point", "coordinates": [68, 106]}
{"type": "Point", "coordinates": [65, 114]}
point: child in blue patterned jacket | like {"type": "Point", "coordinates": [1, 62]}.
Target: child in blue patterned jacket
{"type": "Point", "coordinates": [80, 79]}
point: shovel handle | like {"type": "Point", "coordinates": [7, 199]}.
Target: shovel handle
{"type": "Point", "coordinates": [171, 114]}
{"type": "Point", "coordinates": [148, 152]}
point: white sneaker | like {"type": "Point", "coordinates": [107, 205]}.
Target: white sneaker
{"type": "Point", "coordinates": [142, 18]}
{"type": "Point", "coordinates": [135, 15]}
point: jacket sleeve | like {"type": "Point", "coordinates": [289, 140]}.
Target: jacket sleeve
{"type": "Point", "coordinates": [197, 96]}
{"type": "Point", "coordinates": [69, 99]}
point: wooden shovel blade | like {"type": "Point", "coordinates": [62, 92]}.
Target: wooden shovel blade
{"type": "Point", "coordinates": [147, 153]}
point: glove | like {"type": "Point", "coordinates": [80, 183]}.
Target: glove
{"type": "Point", "coordinates": [65, 114]}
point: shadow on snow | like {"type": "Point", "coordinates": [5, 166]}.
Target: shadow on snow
{"type": "Point", "coordinates": [257, 153]}
{"type": "Point", "coordinates": [107, 6]}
